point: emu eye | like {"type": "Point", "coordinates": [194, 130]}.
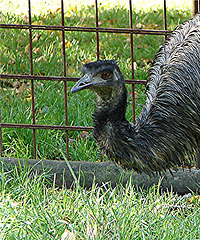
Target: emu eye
{"type": "Point", "coordinates": [105, 75]}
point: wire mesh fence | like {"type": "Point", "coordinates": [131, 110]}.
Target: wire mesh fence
{"type": "Point", "coordinates": [32, 77]}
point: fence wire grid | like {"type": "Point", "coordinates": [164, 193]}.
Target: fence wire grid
{"type": "Point", "coordinates": [30, 76]}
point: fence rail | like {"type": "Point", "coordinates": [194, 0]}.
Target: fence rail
{"type": "Point", "coordinates": [86, 29]}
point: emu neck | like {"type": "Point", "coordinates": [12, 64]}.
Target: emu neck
{"type": "Point", "coordinates": [111, 108]}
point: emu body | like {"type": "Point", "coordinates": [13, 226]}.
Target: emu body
{"type": "Point", "coordinates": [167, 132]}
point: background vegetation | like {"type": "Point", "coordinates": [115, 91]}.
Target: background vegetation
{"type": "Point", "coordinates": [47, 60]}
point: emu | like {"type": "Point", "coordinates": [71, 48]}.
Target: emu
{"type": "Point", "coordinates": [167, 133]}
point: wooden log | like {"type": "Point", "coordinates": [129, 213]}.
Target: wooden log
{"type": "Point", "coordinates": [181, 182]}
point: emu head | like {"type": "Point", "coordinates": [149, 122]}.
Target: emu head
{"type": "Point", "coordinates": [103, 77]}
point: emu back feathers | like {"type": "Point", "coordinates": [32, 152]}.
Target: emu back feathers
{"type": "Point", "coordinates": [167, 132]}
{"type": "Point", "coordinates": [173, 95]}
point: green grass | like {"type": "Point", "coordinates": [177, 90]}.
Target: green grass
{"type": "Point", "coordinates": [47, 60]}
{"type": "Point", "coordinates": [30, 208]}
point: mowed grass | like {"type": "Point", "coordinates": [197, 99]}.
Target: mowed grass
{"type": "Point", "coordinates": [48, 60]}
{"type": "Point", "coordinates": [30, 208]}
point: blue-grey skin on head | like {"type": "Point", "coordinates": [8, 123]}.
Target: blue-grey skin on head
{"type": "Point", "coordinates": [98, 75]}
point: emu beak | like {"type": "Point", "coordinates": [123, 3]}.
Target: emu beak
{"type": "Point", "coordinates": [83, 83]}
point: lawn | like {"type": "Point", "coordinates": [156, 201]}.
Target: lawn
{"type": "Point", "coordinates": [30, 208]}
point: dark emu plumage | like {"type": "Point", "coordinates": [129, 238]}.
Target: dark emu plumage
{"type": "Point", "coordinates": [167, 133]}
